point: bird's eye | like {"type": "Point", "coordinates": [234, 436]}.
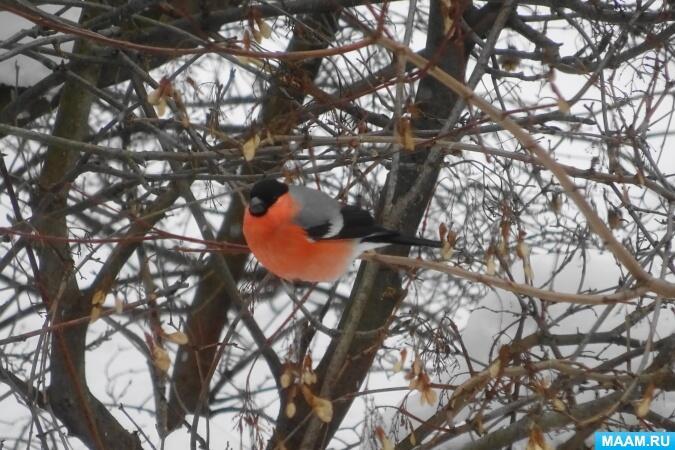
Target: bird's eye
{"type": "Point", "coordinates": [257, 206]}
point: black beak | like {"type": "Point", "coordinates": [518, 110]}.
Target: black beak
{"type": "Point", "coordinates": [257, 207]}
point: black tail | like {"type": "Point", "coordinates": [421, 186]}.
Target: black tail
{"type": "Point", "coordinates": [393, 237]}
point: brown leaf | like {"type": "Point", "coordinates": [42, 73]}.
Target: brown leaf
{"type": "Point", "coordinates": [265, 29]}
{"type": "Point", "coordinates": [446, 10]}
{"type": "Point", "coordinates": [414, 110]}
{"type": "Point", "coordinates": [563, 105]}
{"type": "Point", "coordinates": [537, 440]}
{"type": "Point", "coordinates": [165, 87]}
{"type": "Point", "coordinates": [154, 97]}
{"type": "Point", "coordinates": [428, 396]}
{"type": "Point", "coordinates": [307, 394]}
{"type": "Point", "coordinates": [522, 250]}
{"type": "Point", "coordinates": [449, 245]}
{"type": "Point", "coordinates": [404, 134]}
{"type": "Point", "coordinates": [400, 364]}
{"type": "Point", "coordinates": [308, 377]}
{"type": "Point", "coordinates": [287, 378]}
{"type": "Point", "coordinates": [290, 410]}
{"type": "Point", "coordinates": [177, 337]}
{"type": "Point", "coordinates": [160, 358]}
{"type": "Point", "coordinates": [194, 84]}
{"type": "Point", "coordinates": [98, 298]}
{"type": "Point", "coordinates": [257, 35]}
{"type": "Point", "coordinates": [447, 251]}
{"type": "Point", "coordinates": [509, 62]}
{"type": "Point", "coordinates": [323, 409]}
{"type": "Point", "coordinates": [643, 405]}
{"type": "Point", "coordinates": [97, 301]}
{"type": "Point", "coordinates": [384, 440]}
{"type": "Point", "coordinates": [95, 313]}
{"type": "Point", "coordinates": [158, 97]}
{"type": "Point", "coordinates": [559, 405]}
{"type": "Point", "coordinates": [250, 146]}
{"type": "Point", "coordinates": [556, 202]}
{"type": "Point", "coordinates": [417, 366]}
{"type": "Point", "coordinates": [614, 218]}
{"type": "Point", "coordinates": [160, 107]}
{"type": "Point", "coordinates": [442, 231]}
{"type": "Point", "coordinates": [479, 424]}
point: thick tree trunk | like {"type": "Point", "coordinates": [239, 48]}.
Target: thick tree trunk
{"type": "Point", "coordinates": [69, 396]}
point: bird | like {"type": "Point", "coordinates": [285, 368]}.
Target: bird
{"type": "Point", "coordinates": [302, 234]}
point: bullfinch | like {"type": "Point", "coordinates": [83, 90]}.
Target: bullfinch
{"type": "Point", "coordinates": [301, 234]}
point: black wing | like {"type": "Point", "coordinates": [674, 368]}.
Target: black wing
{"type": "Point", "coordinates": [356, 223]}
{"type": "Point", "coordinates": [359, 224]}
